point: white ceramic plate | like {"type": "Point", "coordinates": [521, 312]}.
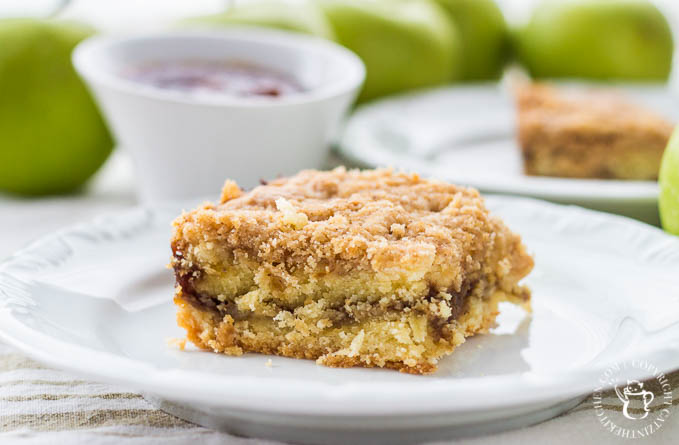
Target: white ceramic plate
{"type": "Point", "coordinates": [466, 134]}
{"type": "Point", "coordinates": [96, 299]}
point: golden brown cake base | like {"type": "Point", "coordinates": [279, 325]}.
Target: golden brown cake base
{"type": "Point", "coordinates": [396, 344]}
{"type": "Point", "coordinates": [371, 269]}
{"type": "Point", "coordinates": [588, 134]}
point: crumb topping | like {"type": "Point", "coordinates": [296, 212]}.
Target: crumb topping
{"type": "Point", "coordinates": [595, 111]}
{"type": "Point", "coordinates": [377, 220]}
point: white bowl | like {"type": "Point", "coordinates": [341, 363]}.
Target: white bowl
{"type": "Point", "coordinates": [186, 146]}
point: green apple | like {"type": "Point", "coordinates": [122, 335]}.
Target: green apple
{"type": "Point", "coordinates": [597, 39]}
{"type": "Point", "coordinates": [404, 44]}
{"type": "Point", "coordinates": [669, 186]}
{"type": "Point", "coordinates": [484, 37]}
{"type": "Point", "coordinates": [52, 137]}
{"type": "Point", "coordinates": [305, 17]}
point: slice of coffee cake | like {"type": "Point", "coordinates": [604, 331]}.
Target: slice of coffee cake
{"type": "Point", "coordinates": [352, 268]}
{"type": "Point", "coordinates": [590, 133]}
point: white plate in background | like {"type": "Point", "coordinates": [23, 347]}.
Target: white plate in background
{"type": "Point", "coordinates": [96, 299]}
{"type": "Point", "coordinates": [466, 134]}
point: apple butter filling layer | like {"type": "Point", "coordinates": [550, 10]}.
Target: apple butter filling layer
{"type": "Point", "coordinates": [232, 308]}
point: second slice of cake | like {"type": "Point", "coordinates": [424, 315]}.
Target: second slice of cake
{"type": "Point", "coordinates": [591, 133]}
{"type": "Point", "coordinates": [350, 268]}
